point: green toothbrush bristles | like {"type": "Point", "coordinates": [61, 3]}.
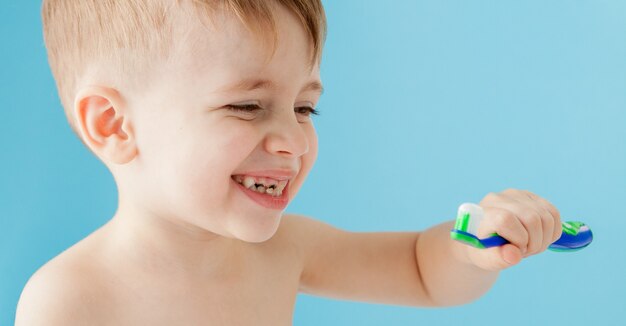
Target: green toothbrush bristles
{"type": "Point", "coordinates": [466, 239]}
{"type": "Point", "coordinates": [462, 222]}
{"type": "Point", "coordinates": [468, 218]}
{"type": "Point", "coordinates": [572, 228]}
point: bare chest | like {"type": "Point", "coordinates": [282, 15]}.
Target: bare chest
{"type": "Point", "coordinates": [259, 290]}
{"type": "Point", "coordinates": [257, 300]}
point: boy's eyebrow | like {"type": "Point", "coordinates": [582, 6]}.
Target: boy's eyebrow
{"type": "Point", "coordinates": [315, 86]}
{"type": "Point", "coordinates": [254, 84]}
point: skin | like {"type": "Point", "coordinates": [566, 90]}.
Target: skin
{"type": "Point", "coordinates": [187, 247]}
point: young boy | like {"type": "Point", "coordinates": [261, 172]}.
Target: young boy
{"type": "Point", "coordinates": [202, 112]}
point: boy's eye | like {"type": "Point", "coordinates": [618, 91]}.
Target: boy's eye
{"type": "Point", "coordinates": [244, 107]}
{"type": "Point", "coordinates": [250, 108]}
{"type": "Point", "coordinates": [307, 111]}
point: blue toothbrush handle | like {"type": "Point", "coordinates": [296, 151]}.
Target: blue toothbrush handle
{"type": "Point", "coordinates": [575, 236]}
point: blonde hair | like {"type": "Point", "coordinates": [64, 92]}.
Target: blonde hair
{"type": "Point", "coordinates": [123, 34]}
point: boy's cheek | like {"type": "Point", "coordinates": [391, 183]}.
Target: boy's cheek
{"type": "Point", "coordinates": [307, 161]}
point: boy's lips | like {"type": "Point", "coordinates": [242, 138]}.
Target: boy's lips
{"type": "Point", "coordinates": [266, 200]}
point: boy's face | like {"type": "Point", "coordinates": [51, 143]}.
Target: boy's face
{"type": "Point", "coordinates": [191, 144]}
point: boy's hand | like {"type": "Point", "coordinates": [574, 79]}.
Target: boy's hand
{"type": "Point", "coordinates": [529, 222]}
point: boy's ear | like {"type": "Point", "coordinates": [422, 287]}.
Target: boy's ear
{"type": "Point", "coordinates": [103, 122]}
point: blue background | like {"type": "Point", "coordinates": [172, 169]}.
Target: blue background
{"type": "Point", "coordinates": [428, 104]}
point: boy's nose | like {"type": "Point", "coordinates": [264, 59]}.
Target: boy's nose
{"type": "Point", "coordinates": [287, 137]}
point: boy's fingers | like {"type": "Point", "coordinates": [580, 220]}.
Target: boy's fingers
{"type": "Point", "coordinates": [547, 220]}
{"type": "Point", "coordinates": [554, 213]}
{"type": "Point", "coordinates": [530, 218]}
{"type": "Point", "coordinates": [548, 231]}
{"type": "Point", "coordinates": [550, 216]}
{"type": "Point", "coordinates": [506, 224]}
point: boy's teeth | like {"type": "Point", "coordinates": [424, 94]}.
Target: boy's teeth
{"type": "Point", "coordinates": [269, 186]}
{"type": "Point", "coordinates": [269, 191]}
{"type": "Point", "coordinates": [248, 182]}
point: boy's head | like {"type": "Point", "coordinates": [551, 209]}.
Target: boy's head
{"type": "Point", "coordinates": [149, 87]}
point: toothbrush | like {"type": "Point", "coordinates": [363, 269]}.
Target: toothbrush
{"type": "Point", "coordinates": [575, 236]}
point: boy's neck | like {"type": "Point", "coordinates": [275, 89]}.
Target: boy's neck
{"type": "Point", "coordinates": [170, 246]}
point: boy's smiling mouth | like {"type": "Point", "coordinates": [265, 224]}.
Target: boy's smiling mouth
{"type": "Point", "coordinates": [269, 192]}
{"type": "Point", "coordinates": [263, 185]}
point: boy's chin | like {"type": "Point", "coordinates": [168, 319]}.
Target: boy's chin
{"type": "Point", "coordinates": [257, 231]}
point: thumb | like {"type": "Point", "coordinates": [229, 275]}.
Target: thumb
{"type": "Point", "coordinates": [511, 254]}
{"type": "Point", "coordinates": [495, 258]}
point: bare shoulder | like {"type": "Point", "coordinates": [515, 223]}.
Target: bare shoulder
{"type": "Point", "coordinates": [304, 230]}
{"type": "Point", "coordinates": [309, 237]}
{"type": "Point", "coordinates": [296, 236]}
{"type": "Point", "coordinates": [66, 290]}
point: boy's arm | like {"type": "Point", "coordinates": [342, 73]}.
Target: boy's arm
{"type": "Point", "coordinates": [422, 269]}
{"type": "Point", "coordinates": [401, 268]}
